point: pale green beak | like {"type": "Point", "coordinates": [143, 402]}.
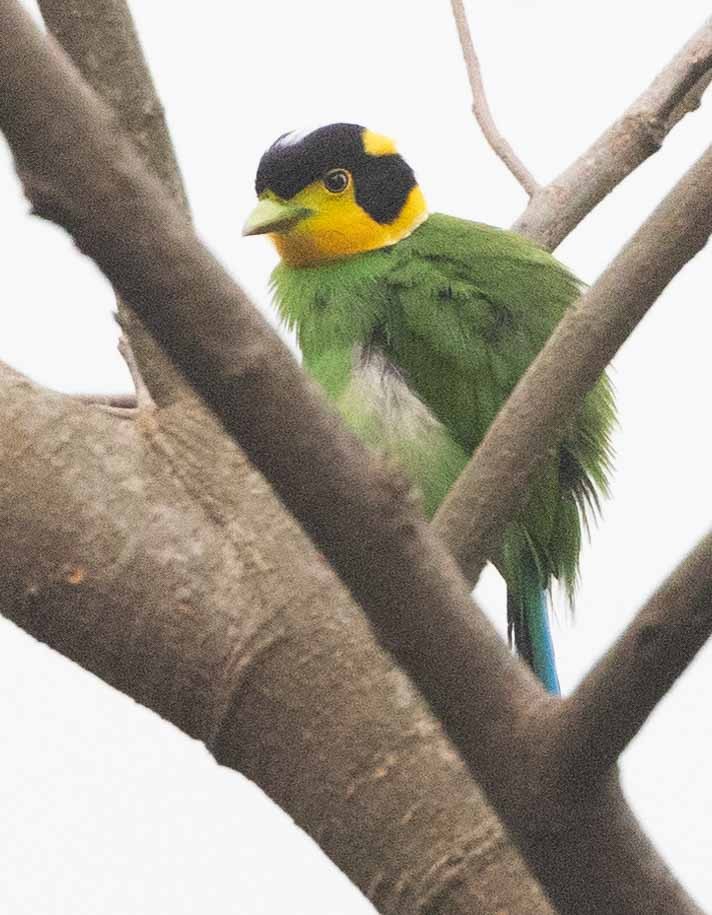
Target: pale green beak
{"type": "Point", "coordinates": [273, 216]}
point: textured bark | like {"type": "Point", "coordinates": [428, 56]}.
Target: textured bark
{"type": "Point", "coordinates": [471, 869]}
{"type": "Point", "coordinates": [154, 555]}
{"type": "Point", "coordinates": [100, 39]}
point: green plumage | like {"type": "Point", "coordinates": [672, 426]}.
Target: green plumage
{"type": "Point", "coordinates": [453, 314]}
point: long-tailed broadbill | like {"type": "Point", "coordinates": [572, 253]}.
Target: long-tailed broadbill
{"type": "Point", "coordinates": [418, 326]}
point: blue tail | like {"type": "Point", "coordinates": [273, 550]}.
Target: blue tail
{"type": "Point", "coordinates": [528, 624]}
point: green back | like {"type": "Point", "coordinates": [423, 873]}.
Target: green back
{"type": "Point", "coordinates": [461, 309]}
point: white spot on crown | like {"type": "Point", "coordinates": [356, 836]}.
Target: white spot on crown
{"type": "Point", "coordinates": [295, 136]}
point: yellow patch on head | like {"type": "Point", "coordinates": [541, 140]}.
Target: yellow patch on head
{"type": "Point", "coordinates": [375, 144]}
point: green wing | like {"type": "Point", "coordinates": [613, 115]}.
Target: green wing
{"type": "Point", "coordinates": [461, 309]}
{"type": "Point", "coordinates": [470, 307]}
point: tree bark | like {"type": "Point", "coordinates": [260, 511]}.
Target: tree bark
{"type": "Point", "coordinates": [100, 39]}
{"type": "Point", "coordinates": [153, 554]}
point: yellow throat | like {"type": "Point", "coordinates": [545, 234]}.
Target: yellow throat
{"type": "Point", "coordinates": [339, 227]}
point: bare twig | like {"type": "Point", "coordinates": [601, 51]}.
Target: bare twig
{"type": "Point", "coordinates": [616, 697]}
{"type": "Point", "coordinates": [124, 406]}
{"type": "Point", "coordinates": [556, 209]}
{"type": "Point", "coordinates": [143, 397]}
{"type": "Point", "coordinates": [480, 105]}
{"type": "Point", "coordinates": [119, 412]}
{"type": "Point", "coordinates": [119, 401]}
{"type": "Point", "coordinates": [553, 212]}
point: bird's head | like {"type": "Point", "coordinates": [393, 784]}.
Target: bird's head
{"type": "Point", "coordinates": [333, 192]}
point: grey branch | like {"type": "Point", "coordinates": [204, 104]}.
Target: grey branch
{"type": "Point", "coordinates": [614, 700]}
{"type": "Point", "coordinates": [490, 491]}
{"type": "Point", "coordinates": [587, 850]}
{"type": "Point", "coordinates": [556, 209]}
{"type": "Point", "coordinates": [480, 105]}
{"type": "Point", "coordinates": [100, 38]}
{"type": "Point", "coordinates": [232, 358]}
{"type": "Point", "coordinates": [143, 397]}
{"type": "Point", "coordinates": [157, 557]}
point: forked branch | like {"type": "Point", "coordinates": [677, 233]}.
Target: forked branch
{"type": "Point", "coordinates": [557, 208]}
{"type": "Point", "coordinates": [100, 38]}
{"type": "Point", "coordinates": [249, 378]}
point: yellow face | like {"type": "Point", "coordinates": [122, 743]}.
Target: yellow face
{"type": "Point", "coordinates": [339, 227]}
{"type": "Point", "coordinates": [328, 212]}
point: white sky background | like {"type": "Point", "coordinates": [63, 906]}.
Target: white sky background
{"type": "Point", "coordinates": [106, 808]}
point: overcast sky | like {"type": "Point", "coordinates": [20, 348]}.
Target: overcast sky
{"type": "Point", "coordinates": [105, 807]}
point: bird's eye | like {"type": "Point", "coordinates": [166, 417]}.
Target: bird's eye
{"type": "Point", "coordinates": [336, 180]}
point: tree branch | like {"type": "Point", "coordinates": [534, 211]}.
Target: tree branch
{"type": "Point", "coordinates": [143, 397]}
{"type": "Point", "coordinates": [616, 697]}
{"type": "Point", "coordinates": [481, 108]}
{"type": "Point", "coordinates": [556, 209]}
{"type": "Point", "coordinates": [100, 39]}
{"type": "Point", "coordinates": [153, 554]}
{"type": "Point", "coordinates": [491, 490]}
{"type": "Point", "coordinates": [125, 402]}
{"type": "Point", "coordinates": [121, 217]}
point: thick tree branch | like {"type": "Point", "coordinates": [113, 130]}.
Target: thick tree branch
{"type": "Point", "coordinates": [154, 555]}
{"type": "Point", "coordinates": [480, 105]}
{"type": "Point", "coordinates": [556, 209]}
{"type": "Point", "coordinates": [614, 700]}
{"type": "Point", "coordinates": [380, 544]}
{"type": "Point", "coordinates": [100, 38]}
{"type": "Point", "coordinates": [120, 216]}
{"type": "Point", "coordinates": [491, 490]}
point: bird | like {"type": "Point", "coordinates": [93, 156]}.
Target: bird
{"type": "Point", "coordinates": [417, 326]}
